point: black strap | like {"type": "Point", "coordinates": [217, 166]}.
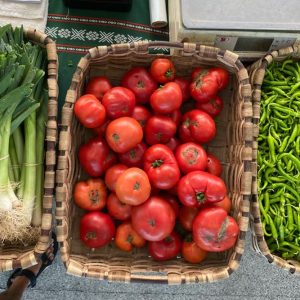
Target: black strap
{"type": "Point", "coordinates": [30, 275]}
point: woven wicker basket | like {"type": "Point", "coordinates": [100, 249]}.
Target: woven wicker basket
{"type": "Point", "coordinates": [257, 73]}
{"type": "Point", "coordinates": [233, 145]}
{"type": "Point", "coordinates": [17, 257]}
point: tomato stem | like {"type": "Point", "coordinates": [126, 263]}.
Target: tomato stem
{"type": "Point", "coordinates": [140, 84]}
{"type": "Point", "coordinates": [129, 238]}
{"type": "Point", "coordinates": [115, 137]}
{"type": "Point", "coordinates": [157, 163]}
{"type": "Point", "coordinates": [94, 196]}
{"type": "Point", "coordinates": [169, 73]}
{"type": "Point", "coordinates": [200, 197]}
{"type": "Point", "coordinates": [136, 186]}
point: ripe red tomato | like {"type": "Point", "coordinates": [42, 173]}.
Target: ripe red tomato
{"type": "Point", "coordinates": [214, 230]}
{"type": "Point", "coordinates": [141, 114]}
{"type": "Point", "coordinates": [162, 70]}
{"type": "Point", "coordinates": [175, 116]}
{"type": "Point", "coordinates": [161, 166]}
{"type": "Point", "coordinates": [127, 238]}
{"type": "Point", "coordinates": [117, 209]}
{"type": "Point", "coordinates": [173, 143]}
{"type": "Point", "coordinates": [133, 186]}
{"type": "Point", "coordinates": [89, 111]}
{"type": "Point", "coordinates": [198, 72]}
{"type": "Point", "coordinates": [213, 107]}
{"type": "Point", "coordinates": [141, 83]}
{"type": "Point", "coordinates": [96, 229]}
{"type": "Point", "coordinates": [165, 249]}
{"type": "Point", "coordinates": [191, 157]}
{"type": "Point", "coordinates": [100, 131]}
{"type": "Point", "coordinates": [172, 200]}
{"type": "Point", "coordinates": [184, 86]}
{"type": "Point", "coordinates": [119, 102]}
{"type": "Point", "coordinates": [200, 187]}
{"type": "Point", "coordinates": [193, 124]}
{"type": "Point", "coordinates": [134, 157]}
{"type": "Point", "coordinates": [225, 204]}
{"type": "Point", "coordinates": [191, 252]}
{"type": "Point", "coordinates": [159, 129]}
{"type": "Point", "coordinates": [167, 98]}
{"type": "Point", "coordinates": [98, 86]}
{"type": "Point", "coordinates": [90, 194]}
{"type": "Point", "coordinates": [186, 217]}
{"type": "Point", "coordinates": [221, 76]}
{"type": "Point", "coordinates": [123, 134]}
{"type": "Point", "coordinates": [95, 157]}
{"type": "Point", "coordinates": [112, 174]}
{"type": "Point", "coordinates": [213, 165]}
{"type": "Point", "coordinates": [154, 220]}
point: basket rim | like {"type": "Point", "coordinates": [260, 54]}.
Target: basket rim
{"type": "Point", "coordinates": [188, 49]}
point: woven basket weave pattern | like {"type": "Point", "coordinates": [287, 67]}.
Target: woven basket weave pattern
{"type": "Point", "coordinates": [233, 145]}
{"type": "Point", "coordinates": [13, 258]}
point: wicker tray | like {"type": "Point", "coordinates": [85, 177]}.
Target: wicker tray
{"type": "Point", "coordinates": [257, 72]}
{"type": "Point", "coordinates": [17, 257]}
{"type": "Point", "coordinates": [233, 145]}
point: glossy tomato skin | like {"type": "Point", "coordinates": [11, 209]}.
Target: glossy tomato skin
{"type": "Point", "coordinates": [134, 157]}
{"type": "Point", "coordinates": [214, 230]}
{"type": "Point", "coordinates": [141, 83]}
{"type": "Point", "coordinates": [117, 209]}
{"type": "Point", "coordinates": [197, 126]}
{"type": "Point", "coordinates": [165, 249]}
{"type": "Point", "coordinates": [173, 143]}
{"type": "Point", "coordinates": [95, 157]}
{"type": "Point", "coordinates": [119, 102]}
{"type": "Point", "coordinates": [96, 229]}
{"type": "Point", "coordinates": [159, 129]}
{"type": "Point", "coordinates": [200, 187]}
{"type": "Point", "coordinates": [161, 166]}
{"type": "Point", "coordinates": [133, 187]}
{"type": "Point", "coordinates": [213, 107]}
{"type": "Point", "coordinates": [123, 134]}
{"type": "Point", "coordinates": [112, 175]}
{"type": "Point", "coordinates": [163, 70]}
{"type": "Point", "coordinates": [98, 86]}
{"type": "Point", "coordinates": [191, 157]}
{"type": "Point", "coordinates": [184, 86]}
{"type": "Point", "coordinates": [213, 165]}
{"type": "Point", "coordinates": [192, 253]}
{"type": "Point", "coordinates": [186, 217]}
{"type": "Point", "coordinates": [154, 220]}
{"type": "Point", "coordinates": [166, 99]}
{"type": "Point", "coordinates": [90, 194]}
{"type": "Point", "coordinates": [221, 76]}
{"type": "Point", "coordinates": [89, 111]}
{"type": "Point", "coordinates": [127, 238]}
{"type": "Point", "coordinates": [172, 200]}
{"type": "Point", "coordinates": [141, 114]}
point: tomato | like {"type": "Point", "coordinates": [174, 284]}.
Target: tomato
{"type": "Point", "coordinates": [172, 200]}
{"type": "Point", "coordinates": [96, 229]}
{"type": "Point", "coordinates": [191, 252]}
{"type": "Point", "coordinates": [214, 230]}
{"type": "Point", "coordinates": [141, 83]}
{"type": "Point", "coordinates": [200, 187]}
{"type": "Point", "coordinates": [117, 209]}
{"type": "Point", "coordinates": [173, 143]}
{"type": "Point", "coordinates": [221, 76]}
{"type": "Point", "coordinates": [225, 204]}
{"type": "Point", "coordinates": [133, 186]}
{"type": "Point", "coordinates": [159, 129]}
{"type": "Point", "coordinates": [175, 116]}
{"type": "Point", "coordinates": [98, 86]}
{"type": "Point", "coordinates": [154, 220]}
{"type": "Point", "coordinates": [165, 249]}
{"type": "Point", "coordinates": [90, 194]}
{"type": "Point", "coordinates": [187, 216]}
{"type": "Point", "coordinates": [89, 111]}
{"type": "Point", "coordinates": [141, 114]}
{"type": "Point", "coordinates": [198, 72]}
{"type": "Point", "coordinates": [191, 157]}
{"type": "Point", "coordinates": [112, 174]}
{"type": "Point", "coordinates": [197, 126]}
{"type": "Point", "coordinates": [184, 86]}
{"type": "Point", "coordinates": [100, 131]}
{"type": "Point", "coordinates": [161, 166]}
{"type": "Point", "coordinates": [162, 70]}
{"type": "Point", "coordinates": [213, 165]}
{"type": "Point", "coordinates": [119, 102]}
{"type": "Point", "coordinates": [95, 157]}
{"type": "Point", "coordinates": [123, 134]}
{"type": "Point", "coordinates": [127, 238]}
{"type": "Point", "coordinates": [134, 157]}
{"type": "Point", "coordinates": [213, 107]}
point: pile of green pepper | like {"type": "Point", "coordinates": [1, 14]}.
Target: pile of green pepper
{"type": "Point", "coordinates": [279, 158]}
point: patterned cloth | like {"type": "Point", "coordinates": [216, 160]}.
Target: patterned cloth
{"type": "Point", "coordinates": [76, 30]}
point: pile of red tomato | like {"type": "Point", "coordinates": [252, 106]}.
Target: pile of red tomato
{"type": "Point", "coordinates": [152, 181]}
